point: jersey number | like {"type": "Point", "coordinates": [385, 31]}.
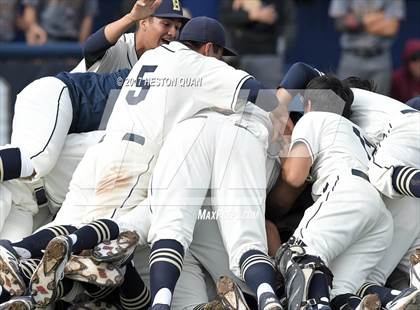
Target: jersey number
{"type": "Point", "coordinates": [131, 98]}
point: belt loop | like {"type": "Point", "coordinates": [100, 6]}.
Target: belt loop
{"type": "Point", "coordinates": [134, 138]}
{"type": "Point", "coordinates": [40, 196]}
{"type": "Point", "coordinates": [360, 174]}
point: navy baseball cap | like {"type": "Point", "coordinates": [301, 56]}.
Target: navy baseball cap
{"type": "Point", "coordinates": [170, 9]}
{"type": "Point", "coordinates": [204, 29]}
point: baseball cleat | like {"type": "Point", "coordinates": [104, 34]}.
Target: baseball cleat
{"type": "Point", "coordinates": [230, 295]}
{"type": "Point", "coordinates": [44, 282]}
{"type": "Point", "coordinates": [415, 269]}
{"type": "Point", "coordinates": [94, 305]}
{"type": "Point", "coordinates": [117, 250]}
{"type": "Point", "coordinates": [18, 303]}
{"type": "Point", "coordinates": [370, 302]}
{"type": "Point", "coordinates": [85, 269]}
{"type": "Point", "coordinates": [409, 299]}
{"type": "Point", "coordinates": [10, 275]}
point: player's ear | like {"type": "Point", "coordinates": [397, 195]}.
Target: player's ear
{"type": "Point", "coordinates": [208, 49]}
{"type": "Point", "coordinates": [143, 24]}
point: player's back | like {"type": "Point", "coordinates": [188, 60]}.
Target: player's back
{"type": "Point", "coordinates": [336, 145]}
{"type": "Point", "coordinates": [374, 112]}
{"type": "Point", "coordinates": [169, 84]}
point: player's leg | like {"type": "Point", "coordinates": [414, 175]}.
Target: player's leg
{"type": "Point", "coordinates": [395, 168]}
{"type": "Point", "coordinates": [43, 115]}
{"type": "Point", "coordinates": [404, 240]}
{"type": "Point", "coordinates": [208, 248]}
{"type": "Point", "coordinates": [18, 224]}
{"type": "Point", "coordinates": [134, 294]}
{"type": "Point", "coordinates": [122, 172]}
{"type": "Point", "coordinates": [5, 204]}
{"type": "Point", "coordinates": [178, 188]}
{"type": "Point", "coordinates": [337, 225]}
{"type": "Point", "coordinates": [46, 281]}
{"type": "Point", "coordinates": [19, 195]}
{"type": "Point", "coordinates": [56, 183]}
{"type": "Point", "coordinates": [191, 288]}
{"type": "Point", "coordinates": [238, 198]}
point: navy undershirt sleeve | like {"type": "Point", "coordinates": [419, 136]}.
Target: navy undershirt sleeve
{"type": "Point", "coordinates": [95, 47]}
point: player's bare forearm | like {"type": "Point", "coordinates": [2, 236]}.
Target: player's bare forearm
{"type": "Point", "coordinates": [85, 28]}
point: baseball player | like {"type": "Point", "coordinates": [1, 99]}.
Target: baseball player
{"type": "Point", "coordinates": [227, 155]}
{"type": "Point", "coordinates": [111, 48]}
{"type": "Point", "coordinates": [375, 113]}
{"type": "Point", "coordinates": [339, 227]}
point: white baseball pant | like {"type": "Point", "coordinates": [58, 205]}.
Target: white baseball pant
{"type": "Point", "coordinates": [401, 147]}
{"type": "Point", "coordinates": [406, 238]}
{"type": "Point", "coordinates": [216, 152]}
{"type": "Point", "coordinates": [350, 228]}
{"type": "Point", "coordinates": [41, 122]}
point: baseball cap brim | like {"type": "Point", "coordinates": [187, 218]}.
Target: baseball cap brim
{"type": "Point", "coordinates": [173, 16]}
{"type": "Point", "coordinates": [229, 52]}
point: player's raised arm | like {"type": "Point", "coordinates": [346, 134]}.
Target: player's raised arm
{"type": "Point", "coordinates": [98, 43]}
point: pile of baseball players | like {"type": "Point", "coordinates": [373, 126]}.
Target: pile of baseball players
{"type": "Point", "coordinates": [165, 208]}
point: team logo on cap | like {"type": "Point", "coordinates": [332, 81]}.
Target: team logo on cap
{"type": "Point", "coordinates": [176, 6]}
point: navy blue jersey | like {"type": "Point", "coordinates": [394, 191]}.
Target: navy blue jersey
{"type": "Point", "coordinates": [89, 94]}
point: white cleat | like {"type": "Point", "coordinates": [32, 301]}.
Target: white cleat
{"type": "Point", "coordinates": [408, 299]}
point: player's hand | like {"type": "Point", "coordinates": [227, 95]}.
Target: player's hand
{"type": "Point", "coordinates": [36, 35]}
{"type": "Point", "coordinates": [280, 120]}
{"type": "Point", "coordinates": [143, 9]}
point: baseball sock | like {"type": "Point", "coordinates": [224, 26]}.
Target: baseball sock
{"type": "Point", "coordinates": [4, 295]}
{"type": "Point", "coordinates": [166, 259]}
{"type": "Point", "coordinates": [64, 287]}
{"type": "Point", "coordinates": [93, 233]}
{"type": "Point", "coordinates": [258, 272]}
{"type": "Point", "coordinates": [14, 164]}
{"type": "Point", "coordinates": [96, 292]}
{"type": "Point", "coordinates": [134, 294]}
{"type": "Point", "coordinates": [385, 294]}
{"type": "Point", "coordinates": [406, 181]}
{"type": "Point", "coordinates": [32, 246]}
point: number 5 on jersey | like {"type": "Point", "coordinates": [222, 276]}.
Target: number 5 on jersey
{"type": "Point", "coordinates": [131, 98]}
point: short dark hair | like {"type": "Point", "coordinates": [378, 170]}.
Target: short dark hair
{"type": "Point", "coordinates": [356, 82]}
{"type": "Point", "coordinates": [328, 101]}
{"type": "Point", "coordinates": [195, 46]}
